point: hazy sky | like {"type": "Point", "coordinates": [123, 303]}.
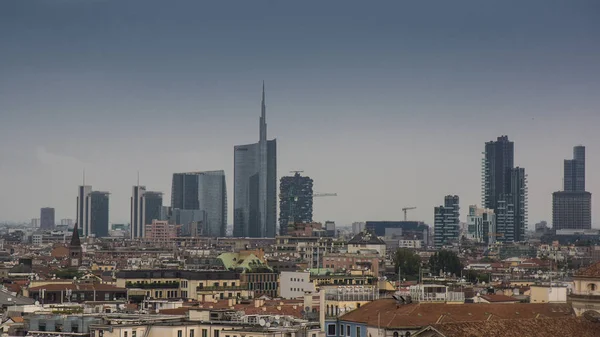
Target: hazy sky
{"type": "Point", "coordinates": [387, 103]}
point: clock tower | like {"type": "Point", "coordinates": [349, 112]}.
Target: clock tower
{"type": "Point", "coordinates": [75, 252]}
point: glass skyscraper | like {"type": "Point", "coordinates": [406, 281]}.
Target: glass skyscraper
{"type": "Point", "coordinates": [145, 207]}
{"type": "Point", "coordinates": [572, 207]}
{"type": "Point", "coordinates": [205, 192]}
{"type": "Point", "coordinates": [255, 185]}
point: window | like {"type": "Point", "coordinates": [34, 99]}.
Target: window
{"type": "Point", "coordinates": [591, 287]}
{"type": "Point", "coordinates": [395, 333]}
{"type": "Point", "coordinates": [133, 333]}
{"type": "Point", "coordinates": [106, 296]}
{"type": "Point", "coordinates": [179, 333]}
{"type": "Point", "coordinates": [342, 331]}
{"type": "Point", "coordinates": [191, 333]}
{"type": "Point", "coordinates": [331, 330]}
{"type": "Point", "coordinates": [216, 333]}
{"type": "Point", "coordinates": [125, 334]}
{"type": "Point", "coordinates": [348, 330]}
{"type": "Point", "coordinates": [357, 331]}
{"type": "Point", "coordinates": [204, 333]}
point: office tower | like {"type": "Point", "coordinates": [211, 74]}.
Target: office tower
{"type": "Point", "coordinates": [574, 171]}
{"type": "Point", "coordinates": [572, 207]}
{"type": "Point", "coordinates": [446, 222]}
{"type": "Point", "coordinates": [505, 190]}
{"type": "Point", "coordinates": [357, 227]}
{"type": "Point", "coordinates": [255, 185]}
{"type": "Point", "coordinates": [97, 204]}
{"type": "Point", "coordinates": [205, 192]}
{"type": "Point", "coordinates": [82, 209]}
{"type": "Point", "coordinates": [295, 201]}
{"type": "Point", "coordinates": [145, 207]}
{"type": "Point", "coordinates": [47, 218]}
{"type": "Point", "coordinates": [481, 224]}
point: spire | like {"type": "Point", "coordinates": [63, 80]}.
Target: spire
{"type": "Point", "coordinates": [83, 177]}
{"type": "Point", "coordinates": [75, 241]}
{"type": "Point", "coordinates": [263, 117]}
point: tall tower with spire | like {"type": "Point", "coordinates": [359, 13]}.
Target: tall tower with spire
{"type": "Point", "coordinates": [255, 184]}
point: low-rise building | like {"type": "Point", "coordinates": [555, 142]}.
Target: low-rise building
{"type": "Point", "coordinates": [295, 284]}
{"type": "Point", "coordinates": [586, 290]}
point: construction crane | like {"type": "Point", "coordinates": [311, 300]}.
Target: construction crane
{"type": "Point", "coordinates": [405, 209]}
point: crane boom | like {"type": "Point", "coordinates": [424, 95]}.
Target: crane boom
{"type": "Point", "coordinates": [405, 209]}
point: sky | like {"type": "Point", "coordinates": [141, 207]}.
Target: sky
{"type": "Point", "coordinates": [386, 103]}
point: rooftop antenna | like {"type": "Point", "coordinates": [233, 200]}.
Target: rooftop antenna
{"type": "Point", "coordinates": [84, 177]}
{"type": "Point", "coordinates": [138, 178]}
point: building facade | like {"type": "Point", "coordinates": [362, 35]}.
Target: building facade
{"type": "Point", "coordinates": [160, 231]}
{"type": "Point", "coordinates": [572, 207]}
{"type": "Point", "coordinates": [146, 206]}
{"type": "Point", "coordinates": [255, 185]}
{"type": "Point", "coordinates": [205, 192]}
{"type": "Point", "coordinates": [98, 216]}
{"type": "Point", "coordinates": [400, 229]}
{"type": "Point", "coordinates": [505, 189]}
{"type": "Point", "coordinates": [446, 222]}
{"type": "Point", "coordinates": [295, 201]}
{"type": "Point", "coordinates": [82, 216]}
{"type": "Point", "coordinates": [481, 224]}
{"type": "Point", "coordinates": [47, 218]}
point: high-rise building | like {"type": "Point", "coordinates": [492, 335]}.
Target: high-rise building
{"type": "Point", "coordinates": [572, 207]}
{"type": "Point", "coordinates": [255, 185]}
{"type": "Point", "coordinates": [446, 222]}
{"type": "Point", "coordinates": [47, 218]}
{"type": "Point", "coordinates": [97, 203]}
{"type": "Point", "coordinates": [205, 192]}
{"type": "Point", "coordinates": [82, 215]}
{"type": "Point", "coordinates": [92, 211]}
{"type": "Point", "coordinates": [481, 224]}
{"type": "Point", "coordinates": [505, 190]}
{"type": "Point", "coordinates": [574, 171]}
{"type": "Point", "coordinates": [145, 207]}
{"type": "Point", "coordinates": [295, 201]}
{"type": "Point", "coordinates": [35, 222]}
{"type": "Point", "coordinates": [67, 222]}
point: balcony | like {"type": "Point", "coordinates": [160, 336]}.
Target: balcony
{"type": "Point", "coordinates": [221, 288]}
{"type": "Point", "coordinates": [152, 285]}
{"type": "Point", "coordinates": [584, 297]}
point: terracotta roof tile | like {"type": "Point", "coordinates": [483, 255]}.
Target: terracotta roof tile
{"type": "Point", "coordinates": [591, 271]}
{"type": "Point", "coordinates": [389, 315]}
{"type": "Point", "coordinates": [499, 298]}
{"type": "Point", "coordinates": [564, 326]}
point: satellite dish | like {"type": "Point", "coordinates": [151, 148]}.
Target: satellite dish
{"type": "Point", "coordinates": [262, 322]}
{"type": "Point", "coordinates": [37, 303]}
{"type": "Point", "coordinates": [277, 317]}
{"type": "Point", "coordinates": [268, 324]}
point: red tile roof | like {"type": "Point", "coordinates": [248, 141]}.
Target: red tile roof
{"type": "Point", "coordinates": [591, 271]}
{"type": "Point", "coordinates": [563, 326]}
{"type": "Point", "coordinates": [389, 315]}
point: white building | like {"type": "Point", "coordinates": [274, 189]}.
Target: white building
{"type": "Point", "coordinates": [294, 284]}
{"type": "Point", "coordinates": [481, 224]}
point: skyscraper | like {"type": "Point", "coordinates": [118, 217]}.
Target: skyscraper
{"type": "Point", "coordinates": [572, 207]}
{"type": "Point", "coordinates": [446, 222]}
{"type": "Point", "coordinates": [203, 191]}
{"type": "Point", "coordinates": [82, 208]}
{"type": "Point", "coordinates": [574, 171]}
{"type": "Point", "coordinates": [255, 185]}
{"type": "Point", "coordinates": [92, 211]}
{"type": "Point", "coordinates": [145, 207]}
{"type": "Point", "coordinates": [295, 201]}
{"type": "Point", "coordinates": [97, 203]}
{"type": "Point", "coordinates": [505, 190]}
{"type": "Point", "coordinates": [47, 218]}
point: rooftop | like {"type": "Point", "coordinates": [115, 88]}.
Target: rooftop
{"type": "Point", "coordinates": [390, 315]}
{"type": "Point", "coordinates": [563, 326]}
{"type": "Point", "coordinates": [366, 238]}
{"type": "Point", "coordinates": [591, 271]}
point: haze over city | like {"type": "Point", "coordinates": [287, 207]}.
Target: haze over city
{"type": "Point", "coordinates": [388, 105]}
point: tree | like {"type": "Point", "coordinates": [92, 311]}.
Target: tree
{"type": "Point", "coordinates": [408, 261]}
{"type": "Point", "coordinates": [446, 261]}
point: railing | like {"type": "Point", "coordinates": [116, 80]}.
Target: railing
{"type": "Point", "coordinates": [584, 297]}
{"type": "Point", "coordinates": [154, 285]}
{"type": "Point", "coordinates": [217, 288]}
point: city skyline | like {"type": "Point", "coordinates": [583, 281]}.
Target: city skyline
{"type": "Point", "coordinates": [365, 118]}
